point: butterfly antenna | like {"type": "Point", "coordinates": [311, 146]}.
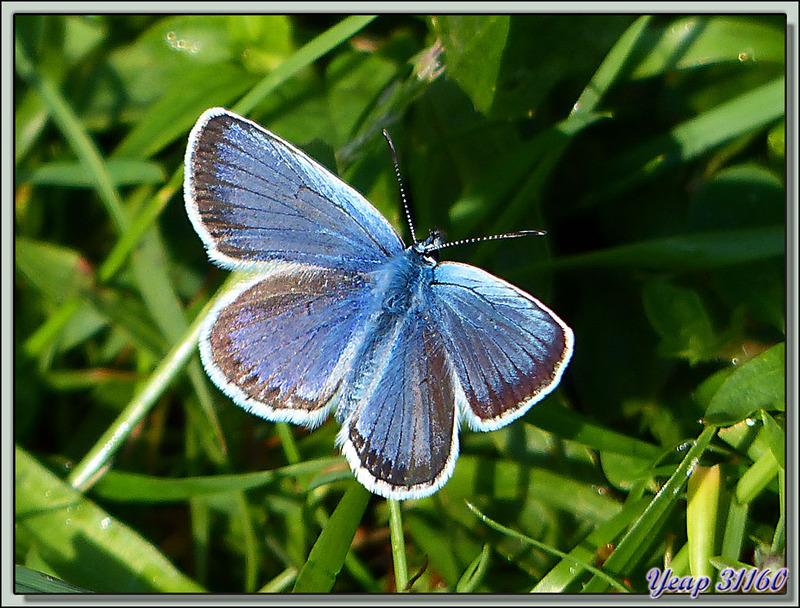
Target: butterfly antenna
{"type": "Point", "coordinates": [400, 182]}
{"type": "Point", "coordinates": [494, 237]}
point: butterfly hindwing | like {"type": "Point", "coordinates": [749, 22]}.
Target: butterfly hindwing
{"type": "Point", "coordinates": [508, 349]}
{"type": "Point", "coordinates": [280, 345]}
{"type": "Point", "coordinates": [258, 202]}
{"type": "Point", "coordinates": [401, 436]}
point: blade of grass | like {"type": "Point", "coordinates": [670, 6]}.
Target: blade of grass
{"type": "Point", "coordinates": [548, 549]}
{"type": "Point", "coordinates": [735, 530]}
{"type": "Point", "coordinates": [27, 581]}
{"type": "Point", "coordinates": [69, 124]}
{"type": "Point", "coordinates": [751, 111]}
{"type": "Point", "coordinates": [304, 57]}
{"type": "Point", "coordinates": [548, 147]}
{"type": "Point", "coordinates": [252, 557]}
{"type": "Point", "coordinates": [281, 582]}
{"type": "Point", "coordinates": [475, 572]}
{"type": "Point", "coordinates": [570, 425]}
{"type": "Point", "coordinates": [84, 475]}
{"type": "Point", "coordinates": [702, 513]}
{"type": "Point", "coordinates": [681, 252]}
{"type": "Point", "coordinates": [146, 216]}
{"type": "Point", "coordinates": [757, 477]}
{"type": "Point", "coordinates": [134, 487]}
{"type": "Point", "coordinates": [613, 66]}
{"type": "Point", "coordinates": [642, 533]}
{"type": "Point", "coordinates": [84, 544]}
{"type": "Point", "coordinates": [355, 567]}
{"type": "Point", "coordinates": [74, 175]}
{"type": "Point", "coordinates": [565, 573]}
{"type": "Point", "coordinates": [327, 556]}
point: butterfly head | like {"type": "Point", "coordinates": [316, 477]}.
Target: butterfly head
{"type": "Point", "coordinates": [429, 248]}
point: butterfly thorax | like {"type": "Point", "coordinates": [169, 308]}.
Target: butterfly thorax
{"type": "Point", "coordinates": [402, 282]}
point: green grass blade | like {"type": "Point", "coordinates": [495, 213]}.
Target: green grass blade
{"type": "Point", "coordinates": [743, 115]}
{"type": "Point", "coordinates": [139, 226]}
{"type": "Point", "coordinates": [85, 545]}
{"type": "Point", "coordinates": [27, 581]}
{"type": "Point", "coordinates": [613, 66]}
{"type": "Point", "coordinates": [280, 583]}
{"type": "Point", "coordinates": [762, 472]}
{"type": "Point", "coordinates": [642, 532]}
{"type": "Point", "coordinates": [684, 252]}
{"type": "Point", "coordinates": [475, 572]}
{"type": "Point", "coordinates": [702, 514]}
{"type": "Point", "coordinates": [548, 549]}
{"type": "Point", "coordinates": [76, 135]}
{"type": "Point", "coordinates": [303, 58]}
{"type": "Point", "coordinates": [74, 175]}
{"type": "Point", "coordinates": [135, 487]}
{"type": "Point", "coordinates": [569, 425]}
{"type": "Point", "coordinates": [86, 472]}
{"type": "Point", "coordinates": [564, 573]}
{"type": "Point", "coordinates": [327, 556]}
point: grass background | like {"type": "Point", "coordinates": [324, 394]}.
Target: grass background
{"type": "Point", "coordinates": [651, 149]}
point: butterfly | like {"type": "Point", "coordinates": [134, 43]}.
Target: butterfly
{"type": "Point", "coordinates": [337, 313]}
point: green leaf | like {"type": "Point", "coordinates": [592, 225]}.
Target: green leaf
{"type": "Point", "coordinates": [758, 383]}
{"type": "Point", "coordinates": [741, 196]}
{"type": "Point", "coordinates": [570, 425]}
{"type": "Point", "coordinates": [680, 318]}
{"type": "Point", "coordinates": [82, 543]}
{"type": "Point", "coordinates": [54, 270]}
{"type": "Point", "coordinates": [473, 49]}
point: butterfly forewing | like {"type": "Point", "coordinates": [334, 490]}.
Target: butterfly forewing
{"type": "Point", "coordinates": [257, 201]}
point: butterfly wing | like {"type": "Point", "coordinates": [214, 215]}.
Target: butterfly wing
{"type": "Point", "coordinates": [258, 202]}
{"type": "Point", "coordinates": [401, 435]}
{"type": "Point", "coordinates": [277, 344]}
{"type": "Point", "coordinates": [280, 346]}
{"type": "Point", "coordinates": [508, 349]}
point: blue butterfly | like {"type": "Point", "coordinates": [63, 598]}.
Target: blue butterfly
{"type": "Point", "coordinates": [338, 312]}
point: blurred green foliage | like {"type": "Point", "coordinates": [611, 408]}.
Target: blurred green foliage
{"type": "Point", "coordinates": [651, 149]}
